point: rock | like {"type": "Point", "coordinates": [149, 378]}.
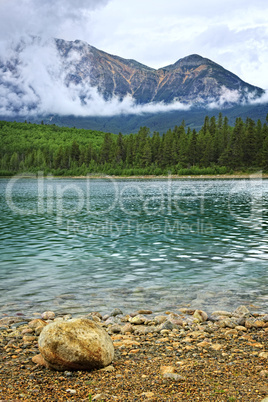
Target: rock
{"type": "Point", "coordinates": [264, 355]}
{"type": "Point", "coordinates": [241, 310]}
{"type": "Point", "coordinates": [259, 324]}
{"type": "Point", "coordinates": [241, 328]}
{"type": "Point", "coordinates": [38, 359]}
{"type": "Point", "coordinates": [127, 328]}
{"type": "Point", "coordinates": [148, 394]}
{"type": "Point", "coordinates": [222, 313]}
{"type": "Point", "coordinates": [99, 397]}
{"type": "Point", "coordinates": [227, 322]}
{"type": "Point", "coordinates": [249, 324]}
{"type": "Point", "coordinates": [146, 312]}
{"type": "Point", "coordinates": [232, 331]}
{"type": "Point", "coordinates": [175, 319]}
{"type": "Point", "coordinates": [217, 346]}
{"type": "Point", "coordinates": [71, 391]}
{"type": "Point", "coordinates": [137, 320]}
{"type": "Point", "coordinates": [187, 311]}
{"type": "Point", "coordinates": [77, 344]}
{"type": "Point", "coordinates": [174, 376]}
{"type": "Point", "coordinates": [115, 329]}
{"type": "Point", "coordinates": [167, 369]}
{"type": "Point", "coordinates": [109, 369]}
{"type": "Point", "coordinates": [48, 315]}
{"type": "Point", "coordinates": [159, 319]}
{"type": "Point", "coordinates": [167, 325]}
{"type": "Point", "coordinates": [37, 323]}
{"type": "Point", "coordinates": [116, 312]}
{"type": "Point", "coordinates": [200, 315]}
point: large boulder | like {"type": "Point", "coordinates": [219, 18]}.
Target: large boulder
{"type": "Point", "coordinates": [77, 344]}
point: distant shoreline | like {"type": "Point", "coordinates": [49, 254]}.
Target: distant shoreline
{"type": "Point", "coordinates": [154, 177]}
{"type": "Point", "coordinates": [164, 177]}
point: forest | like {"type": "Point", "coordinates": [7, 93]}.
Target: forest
{"type": "Point", "coordinates": [217, 148]}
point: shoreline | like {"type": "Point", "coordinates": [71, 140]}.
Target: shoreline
{"type": "Point", "coordinates": [235, 176]}
{"type": "Point", "coordinates": [183, 356]}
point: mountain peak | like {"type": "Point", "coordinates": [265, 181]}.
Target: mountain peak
{"type": "Point", "coordinates": [78, 71]}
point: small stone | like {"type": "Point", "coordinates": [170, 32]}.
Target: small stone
{"type": "Point", "coordinates": [241, 310]}
{"type": "Point", "coordinates": [222, 313]}
{"type": "Point", "coordinates": [137, 320]}
{"type": "Point", "coordinates": [167, 325]}
{"type": "Point", "coordinates": [37, 322]}
{"type": "Point", "coordinates": [164, 331]}
{"type": "Point", "coordinates": [28, 338]}
{"type": "Point", "coordinates": [203, 344]}
{"type": "Point", "coordinates": [38, 330]}
{"type": "Point", "coordinates": [115, 329]}
{"type": "Point", "coordinates": [71, 391]}
{"type": "Point", "coordinates": [116, 312]}
{"type": "Point", "coordinates": [167, 369]}
{"type": "Point", "coordinates": [38, 359]}
{"type": "Point", "coordinates": [241, 328]}
{"type": "Point", "coordinates": [227, 322]}
{"type": "Point", "coordinates": [174, 376]}
{"type": "Point", "coordinates": [146, 312]}
{"type": "Point", "coordinates": [231, 332]}
{"type": "Point", "coordinates": [200, 315]}
{"type": "Point", "coordinates": [249, 324]}
{"type": "Point", "coordinates": [217, 346]}
{"type": "Point", "coordinates": [259, 324]}
{"type": "Point", "coordinates": [27, 331]}
{"type": "Point", "coordinates": [48, 315]}
{"type": "Point", "coordinates": [264, 373]}
{"type": "Point", "coordinates": [99, 397]}
{"type": "Point", "coordinates": [108, 368]}
{"type": "Point", "coordinates": [187, 311]}
{"type": "Point", "coordinates": [159, 319]}
{"type": "Point", "coordinates": [264, 355]}
{"type": "Point", "coordinates": [175, 319]}
{"type": "Point", "coordinates": [148, 394]}
{"type": "Point", "coordinates": [127, 328]}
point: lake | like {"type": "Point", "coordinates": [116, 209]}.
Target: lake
{"type": "Point", "coordinates": [81, 245]}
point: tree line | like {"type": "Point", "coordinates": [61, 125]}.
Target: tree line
{"type": "Point", "coordinates": [217, 148]}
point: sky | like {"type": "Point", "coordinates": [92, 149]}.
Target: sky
{"type": "Point", "coordinates": [233, 33]}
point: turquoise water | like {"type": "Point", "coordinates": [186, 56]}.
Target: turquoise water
{"type": "Point", "coordinates": [77, 245]}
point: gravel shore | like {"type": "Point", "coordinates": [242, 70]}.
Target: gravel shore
{"type": "Point", "coordinates": [185, 355]}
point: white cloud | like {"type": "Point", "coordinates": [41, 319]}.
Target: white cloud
{"type": "Point", "coordinates": [233, 33]}
{"type": "Point", "coordinates": [40, 87]}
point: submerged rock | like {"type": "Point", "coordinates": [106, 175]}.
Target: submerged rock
{"type": "Point", "coordinates": [77, 344]}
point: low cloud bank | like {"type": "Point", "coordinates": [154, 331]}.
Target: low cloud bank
{"type": "Point", "coordinates": [33, 81]}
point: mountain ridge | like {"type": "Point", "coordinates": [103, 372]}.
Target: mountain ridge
{"type": "Point", "coordinates": [48, 79]}
{"type": "Point", "coordinates": [192, 79]}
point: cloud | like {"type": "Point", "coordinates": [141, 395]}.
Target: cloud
{"type": "Point", "coordinates": [46, 18]}
{"type": "Point", "coordinates": [37, 84]}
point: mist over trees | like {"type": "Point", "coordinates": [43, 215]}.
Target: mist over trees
{"type": "Point", "coordinates": [217, 148]}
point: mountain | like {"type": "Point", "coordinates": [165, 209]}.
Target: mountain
{"type": "Point", "coordinates": [192, 79]}
{"type": "Point", "coordinates": [69, 82]}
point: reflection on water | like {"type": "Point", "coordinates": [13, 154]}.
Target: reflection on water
{"type": "Point", "coordinates": [76, 245]}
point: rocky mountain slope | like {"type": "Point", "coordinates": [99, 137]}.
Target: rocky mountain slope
{"type": "Point", "coordinates": [58, 77]}
{"type": "Point", "coordinates": [192, 79]}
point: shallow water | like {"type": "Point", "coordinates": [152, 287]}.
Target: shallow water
{"type": "Point", "coordinates": [77, 245]}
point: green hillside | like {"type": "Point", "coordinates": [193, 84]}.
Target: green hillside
{"type": "Point", "coordinates": [217, 147]}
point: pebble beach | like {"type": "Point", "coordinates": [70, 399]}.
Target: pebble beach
{"type": "Point", "coordinates": [185, 355]}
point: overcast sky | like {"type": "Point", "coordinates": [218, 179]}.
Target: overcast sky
{"type": "Point", "coordinates": [233, 33]}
